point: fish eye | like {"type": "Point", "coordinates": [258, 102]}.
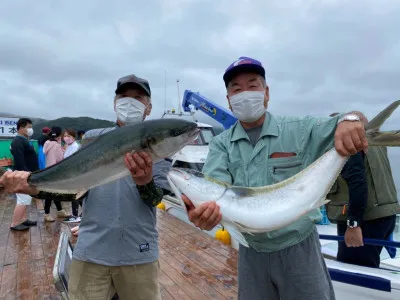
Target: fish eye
{"type": "Point", "coordinates": [175, 132]}
{"type": "Point", "coordinates": [151, 140]}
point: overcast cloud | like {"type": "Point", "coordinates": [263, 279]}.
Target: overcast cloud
{"type": "Point", "coordinates": [63, 58]}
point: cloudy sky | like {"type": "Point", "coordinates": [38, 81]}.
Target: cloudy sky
{"type": "Point", "coordinates": [63, 58]}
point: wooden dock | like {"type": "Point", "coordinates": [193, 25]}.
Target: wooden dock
{"type": "Point", "coordinates": [193, 264]}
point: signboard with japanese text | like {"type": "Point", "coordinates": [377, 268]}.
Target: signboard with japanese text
{"type": "Point", "coordinates": [8, 126]}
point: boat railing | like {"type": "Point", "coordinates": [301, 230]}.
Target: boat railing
{"type": "Point", "coordinates": [367, 241]}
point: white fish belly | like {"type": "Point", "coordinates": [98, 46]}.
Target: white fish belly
{"type": "Point", "coordinates": [83, 181]}
{"type": "Point", "coordinates": [278, 207]}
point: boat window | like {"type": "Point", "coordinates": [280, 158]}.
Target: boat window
{"type": "Point", "coordinates": [207, 135]}
{"type": "Point", "coordinates": [204, 138]}
{"type": "Point", "coordinates": [188, 165]}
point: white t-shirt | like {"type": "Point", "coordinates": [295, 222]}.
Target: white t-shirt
{"type": "Point", "coordinates": [71, 149]}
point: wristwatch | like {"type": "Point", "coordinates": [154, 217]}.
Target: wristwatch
{"type": "Point", "coordinates": [349, 117]}
{"type": "Point", "coordinates": [352, 223]}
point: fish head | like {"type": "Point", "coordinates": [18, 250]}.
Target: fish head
{"type": "Point", "coordinates": [194, 185]}
{"type": "Point", "coordinates": [171, 136]}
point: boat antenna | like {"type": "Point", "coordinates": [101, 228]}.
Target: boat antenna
{"type": "Point", "coordinates": [165, 91]}
{"type": "Point", "coordinates": [179, 97]}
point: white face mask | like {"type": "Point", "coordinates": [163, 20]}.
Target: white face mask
{"type": "Point", "coordinates": [129, 110]}
{"type": "Point", "coordinates": [248, 106]}
{"type": "Point", "coordinates": [68, 140]}
{"type": "Point", "coordinates": [29, 131]}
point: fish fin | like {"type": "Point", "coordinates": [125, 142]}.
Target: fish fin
{"type": "Point", "coordinates": [86, 141]}
{"type": "Point", "coordinates": [242, 228]}
{"type": "Point", "coordinates": [81, 194]}
{"type": "Point", "coordinates": [90, 136]}
{"type": "Point", "coordinates": [178, 194]}
{"type": "Point", "coordinates": [319, 203]}
{"type": "Point", "coordinates": [243, 191]}
{"type": "Point", "coordinates": [380, 118]}
{"type": "Point", "coordinates": [376, 137]}
{"type": "Point", "coordinates": [235, 233]}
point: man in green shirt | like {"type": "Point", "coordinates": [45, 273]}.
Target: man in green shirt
{"type": "Point", "coordinates": [261, 149]}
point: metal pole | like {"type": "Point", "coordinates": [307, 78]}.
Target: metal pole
{"type": "Point", "coordinates": [165, 91]}
{"type": "Point", "coordinates": [179, 97]}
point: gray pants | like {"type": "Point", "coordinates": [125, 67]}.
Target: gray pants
{"type": "Point", "coordinates": [298, 272]}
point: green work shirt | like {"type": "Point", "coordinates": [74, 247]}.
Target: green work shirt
{"type": "Point", "coordinates": [233, 159]}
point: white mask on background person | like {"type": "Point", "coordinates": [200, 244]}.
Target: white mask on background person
{"type": "Point", "coordinates": [248, 106]}
{"type": "Point", "coordinates": [68, 140]}
{"type": "Point", "coordinates": [29, 131]}
{"type": "Point", "coordinates": [129, 110]}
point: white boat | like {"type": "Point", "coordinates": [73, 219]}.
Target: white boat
{"type": "Point", "coordinates": [349, 281]}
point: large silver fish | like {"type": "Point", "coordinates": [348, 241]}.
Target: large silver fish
{"type": "Point", "coordinates": [263, 209]}
{"type": "Point", "coordinates": [101, 161]}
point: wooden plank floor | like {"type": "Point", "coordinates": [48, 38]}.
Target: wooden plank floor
{"type": "Point", "coordinates": [193, 264]}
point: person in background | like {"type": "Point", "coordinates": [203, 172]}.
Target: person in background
{"type": "Point", "coordinates": [54, 153]}
{"type": "Point", "coordinates": [25, 159]}
{"type": "Point", "coordinates": [69, 137]}
{"type": "Point", "coordinates": [364, 205]}
{"type": "Point", "coordinates": [80, 135]}
{"type": "Point", "coordinates": [41, 140]}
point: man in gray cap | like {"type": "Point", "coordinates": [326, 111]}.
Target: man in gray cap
{"type": "Point", "coordinates": [117, 248]}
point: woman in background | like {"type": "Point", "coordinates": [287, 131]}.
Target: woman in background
{"type": "Point", "coordinates": [72, 146]}
{"type": "Point", "coordinates": [54, 153]}
{"type": "Point", "coordinates": [41, 140]}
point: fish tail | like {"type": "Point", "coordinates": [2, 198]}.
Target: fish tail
{"type": "Point", "coordinates": [376, 137]}
{"type": "Point", "coordinates": [3, 193]}
{"type": "Point", "coordinates": [2, 172]}
{"type": "Point", "coordinates": [236, 234]}
{"type": "Point", "coordinates": [379, 119]}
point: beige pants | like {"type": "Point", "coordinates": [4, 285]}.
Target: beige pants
{"type": "Point", "coordinates": [88, 281]}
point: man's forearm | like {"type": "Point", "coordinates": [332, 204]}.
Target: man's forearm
{"type": "Point", "coordinates": [150, 193]}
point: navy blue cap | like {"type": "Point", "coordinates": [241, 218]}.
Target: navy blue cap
{"type": "Point", "coordinates": [243, 64]}
{"type": "Point", "coordinates": [133, 80]}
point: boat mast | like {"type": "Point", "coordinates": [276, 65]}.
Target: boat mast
{"type": "Point", "coordinates": [179, 98]}
{"type": "Point", "coordinates": [165, 91]}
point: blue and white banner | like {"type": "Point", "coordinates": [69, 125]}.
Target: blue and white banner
{"type": "Point", "coordinates": [8, 126]}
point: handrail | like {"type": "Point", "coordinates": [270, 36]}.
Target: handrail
{"type": "Point", "coordinates": [367, 241]}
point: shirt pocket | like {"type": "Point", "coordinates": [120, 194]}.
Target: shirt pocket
{"type": "Point", "coordinates": [285, 167]}
{"type": "Point", "coordinates": [237, 171]}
